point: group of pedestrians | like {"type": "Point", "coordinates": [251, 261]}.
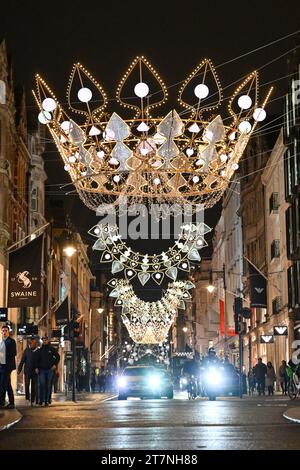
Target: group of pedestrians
{"type": "Point", "coordinates": [105, 381]}
{"type": "Point", "coordinates": [263, 377]}
{"type": "Point", "coordinates": [40, 367]}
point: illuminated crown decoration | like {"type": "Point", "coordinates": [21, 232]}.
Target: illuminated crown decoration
{"type": "Point", "coordinates": [149, 322]}
{"type": "Point", "coordinates": [144, 266]}
{"type": "Point", "coordinates": [182, 158]}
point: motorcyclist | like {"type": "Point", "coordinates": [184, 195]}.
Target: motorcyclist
{"type": "Point", "coordinates": [211, 359]}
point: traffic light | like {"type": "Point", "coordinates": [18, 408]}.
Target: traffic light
{"type": "Point", "coordinates": [74, 328]}
{"type": "Point", "coordinates": [237, 309]}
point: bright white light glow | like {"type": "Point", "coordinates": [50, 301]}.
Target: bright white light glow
{"type": "Point", "coordinates": [244, 102]}
{"type": "Point", "coordinates": [122, 381]}
{"type": "Point", "coordinates": [259, 114]}
{"type": "Point", "coordinates": [156, 181]}
{"type": "Point", "coordinates": [116, 178]}
{"type": "Point", "coordinates": [44, 117]}
{"type": "Point", "coordinates": [69, 250]}
{"type": "Point", "coordinates": [196, 179]}
{"type": "Point", "coordinates": [154, 381]}
{"type": "Point", "coordinates": [213, 377]}
{"type": "Point", "coordinates": [210, 288]}
{"type": "Point", "coordinates": [201, 91]}
{"type": "Point", "coordinates": [245, 127]}
{"type": "Point", "coordinates": [49, 104]}
{"type": "Point", "coordinates": [66, 126]}
{"type": "Point", "coordinates": [84, 95]}
{"type": "Point", "coordinates": [141, 89]}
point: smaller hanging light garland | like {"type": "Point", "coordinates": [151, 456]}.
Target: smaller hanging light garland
{"type": "Point", "coordinates": [145, 267]}
{"type": "Point", "coordinates": [149, 322]}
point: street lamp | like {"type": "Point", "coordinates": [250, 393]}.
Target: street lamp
{"type": "Point", "coordinates": [210, 288]}
{"type": "Point", "coordinates": [184, 329]}
{"type": "Point", "coordinates": [100, 310]}
{"type": "Point", "coordinates": [70, 250]}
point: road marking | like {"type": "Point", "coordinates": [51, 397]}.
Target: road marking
{"type": "Point", "coordinates": [263, 404]}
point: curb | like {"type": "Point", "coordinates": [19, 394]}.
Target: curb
{"type": "Point", "coordinates": [17, 416]}
{"type": "Point", "coordinates": [289, 415]}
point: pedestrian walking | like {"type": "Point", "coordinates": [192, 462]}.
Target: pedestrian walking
{"type": "Point", "coordinates": [283, 377]}
{"type": "Point", "coordinates": [102, 382]}
{"type": "Point", "coordinates": [270, 378]}
{"type": "Point", "coordinates": [47, 361]}
{"type": "Point", "coordinates": [260, 371]}
{"type": "Point", "coordinates": [28, 360]}
{"type": "Point", "coordinates": [93, 381]}
{"type": "Point", "coordinates": [8, 351]}
{"type": "Point", "coordinates": [251, 381]}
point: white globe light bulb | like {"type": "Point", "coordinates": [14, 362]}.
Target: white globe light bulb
{"type": "Point", "coordinates": [116, 178]}
{"type": "Point", "coordinates": [244, 102]}
{"type": "Point", "coordinates": [66, 126]}
{"type": "Point", "coordinates": [84, 95]}
{"type": "Point", "coordinates": [141, 89]}
{"type": "Point", "coordinates": [44, 117]}
{"type": "Point", "coordinates": [49, 104]}
{"type": "Point", "coordinates": [196, 179]}
{"type": "Point", "coordinates": [201, 91]}
{"type": "Point", "coordinates": [245, 127]}
{"type": "Point", "coordinates": [259, 114]}
{"type": "Point", "coordinates": [156, 181]}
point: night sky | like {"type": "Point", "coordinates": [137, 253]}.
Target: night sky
{"type": "Point", "coordinates": [48, 37]}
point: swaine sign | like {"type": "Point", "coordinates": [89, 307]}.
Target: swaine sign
{"type": "Point", "coordinates": [24, 285]}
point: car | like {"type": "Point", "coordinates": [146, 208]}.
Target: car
{"type": "Point", "coordinates": [144, 382]}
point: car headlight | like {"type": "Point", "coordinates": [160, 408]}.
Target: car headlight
{"type": "Point", "coordinates": [154, 381]}
{"type": "Point", "coordinates": [122, 382]}
{"type": "Point", "coordinates": [213, 377]}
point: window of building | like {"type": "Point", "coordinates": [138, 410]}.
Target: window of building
{"type": "Point", "coordinates": [275, 249]}
{"type": "Point", "coordinates": [276, 305]}
{"type": "Point", "coordinates": [2, 92]}
{"type": "Point", "coordinates": [34, 200]}
{"type": "Point", "coordinates": [274, 203]}
{"type": "Point", "coordinates": [294, 285]}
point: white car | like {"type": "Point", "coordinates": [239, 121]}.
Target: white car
{"type": "Point", "coordinates": [143, 382]}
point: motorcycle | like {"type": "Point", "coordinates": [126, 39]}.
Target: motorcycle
{"type": "Point", "coordinates": [212, 382]}
{"type": "Point", "coordinates": [192, 388]}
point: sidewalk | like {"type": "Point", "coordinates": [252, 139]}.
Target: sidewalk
{"type": "Point", "coordinates": [8, 418]}
{"type": "Point", "coordinates": [62, 399]}
{"type": "Point", "coordinates": [293, 414]}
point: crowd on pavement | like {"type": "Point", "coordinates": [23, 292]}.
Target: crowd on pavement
{"type": "Point", "coordinates": [262, 377]}
{"type": "Point", "coordinates": [105, 381]}
{"type": "Point", "coordinates": [40, 369]}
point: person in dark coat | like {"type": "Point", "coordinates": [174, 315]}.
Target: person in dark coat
{"type": "Point", "coordinates": [28, 360]}
{"type": "Point", "coordinates": [46, 363]}
{"type": "Point", "coordinates": [283, 377]}
{"type": "Point", "coordinates": [8, 351]}
{"type": "Point", "coordinates": [260, 371]}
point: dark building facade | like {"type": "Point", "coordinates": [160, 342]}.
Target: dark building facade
{"type": "Point", "coordinates": [292, 193]}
